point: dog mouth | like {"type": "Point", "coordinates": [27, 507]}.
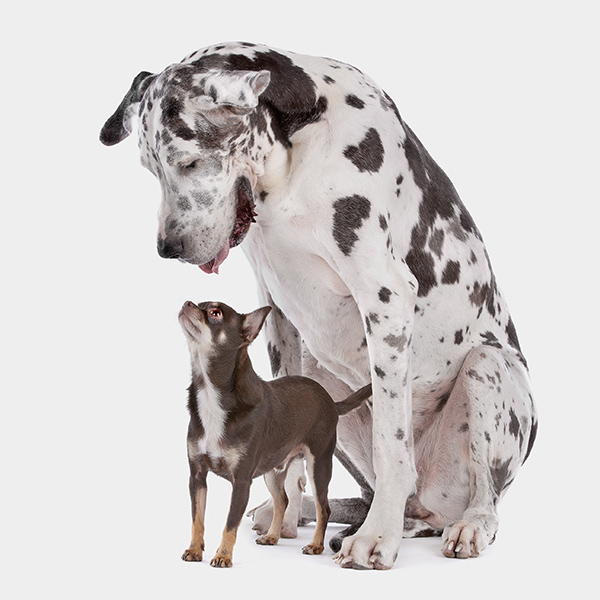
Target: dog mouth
{"type": "Point", "coordinates": [244, 217]}
{"type": "Point", "coordinates": [189, 319]}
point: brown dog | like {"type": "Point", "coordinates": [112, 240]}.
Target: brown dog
{"type": "Point", "coordinates": [242, 427]}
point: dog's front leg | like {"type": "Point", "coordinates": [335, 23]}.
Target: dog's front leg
{"type": "Point", "coordinates": [239, 501]}
{"type": "Point", "coordinates": [198, 491]}
{"type": "Point", "coordinates": [387, 307]}
{"type": "Point", "coordinates": [283, 341]}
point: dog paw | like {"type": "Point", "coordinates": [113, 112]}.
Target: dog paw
{"type": "Point", "coordinates": [221, 561]}
{"type": "Point", "coordinates": [313, 549]}
{"type": "Point", "coordinates": [262, 516]}
{"type": "Point", "coordinates": [289, 530]}
{"type": "Point", "coordinates": [463, 540]}
{"type": "Point", "coordinates": [192, 555]}
{"type": "Point", "coordinates": [267, 540]}
{"type": "Point", "coordinates": [368, 552]}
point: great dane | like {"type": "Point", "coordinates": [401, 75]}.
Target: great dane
{"type": "Point", "coordinates": [374, 269]}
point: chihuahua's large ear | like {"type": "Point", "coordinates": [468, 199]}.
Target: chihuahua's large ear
{"type": "Point", "coordinates": [253, 323]}
{"type": "Point", "coordinates": [118, 126]}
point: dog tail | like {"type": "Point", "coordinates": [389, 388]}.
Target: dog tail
{"type": "Point", "coordinates": [354, 400]}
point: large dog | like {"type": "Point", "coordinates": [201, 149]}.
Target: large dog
{"type": "Point", "coordinates": [374, 269]}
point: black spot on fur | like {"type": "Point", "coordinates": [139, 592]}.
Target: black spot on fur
{"type": "Point", "coordinates": [400, 434]}
{"type": "Point", "coordinates": [354, 101]}
{"type": "Point", "coordinates": [451, 272]}
{"type": "Point", "coordinates": [473, 374]}
{"type": "Point", "coordinates": [458, 337]}
{"type": "Point", "coordinates": [374, 318]}
{"type": "Point", "coordinates": [350, 212]}
{"type": "Point", "coordinates": [532, 436]}
{"type": "Point", "coordinates": [171, 108]}
{"type": "Point", "coordinates": [379, 372]}
{"type": "Point", "coordinates": [396, 341]}
{"type": "Point", "coordinates": [513, 426]}
{"type": "Point", "coordinates": [463, 428]}
{"type": "Point", "coordinates": [385, 294]}
{"type": "Point", "coordinates": [436, 241]}
{"type": "Point", "coordinates": [489, 339]}
{"type": "Point", "coordinates": [368, 155]}
{"type": "Point", "coordinates": [275, 358]}
{"type": "Point", "coordinates": [484, 295]}
{"type": "Point", "coordinates": [500, 474]}
{"type": "Point", "coordinates": [513, 340]}
{"type": "Point", "coordinates": [422, 267]}
{"type": "Point", "coordinates": [383, 223]}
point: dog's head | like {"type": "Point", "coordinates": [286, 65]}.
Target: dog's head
{"type": "Point", "coordinates": [193, 136]}
{"type": "Point", "coordinates": [215, 332]}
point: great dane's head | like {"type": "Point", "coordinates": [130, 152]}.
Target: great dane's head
{"type": "Point", "coordinates": [193, 136]}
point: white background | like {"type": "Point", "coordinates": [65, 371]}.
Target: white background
{"type": "Point", "coordinates": [94, 366]}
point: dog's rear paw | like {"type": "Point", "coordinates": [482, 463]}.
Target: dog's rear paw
{"type": "Point", "coordinates": [267, 540]}
{"type": "Point", "coordinates": [463, 540]}
{"type": "Point", "coordinates": [313, 549]}
{"type": "Point", "coordinates": [262, 516]}
{"type": "Point", "coordinates": [192, 555]}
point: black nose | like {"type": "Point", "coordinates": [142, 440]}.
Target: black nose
{"type": "Point", "coordinates": [168, 249]}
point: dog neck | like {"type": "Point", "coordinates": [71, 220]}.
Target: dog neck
{"type": "Point", "coordinates": [221, 386]}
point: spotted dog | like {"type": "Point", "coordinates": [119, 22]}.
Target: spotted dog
{"type": "Point", "coordinates": [373, 267]}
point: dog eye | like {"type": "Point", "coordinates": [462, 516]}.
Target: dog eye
{"type": "Point", "coordinates": [215, 314]}
{"type": "Point", "coordinates": [190, 166]}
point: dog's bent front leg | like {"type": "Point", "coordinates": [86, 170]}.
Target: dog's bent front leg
{"type": "Point", "coordinates": [239, 500]}
{"type": "Point", "coordinates": [387, 307]}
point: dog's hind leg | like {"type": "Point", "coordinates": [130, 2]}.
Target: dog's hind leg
{"type": "Point", "coordinates": [319, 469]}
{"type": "Point", "coordinates": [295, 485]}
{"type": "Point", "coordinates": [472, 450]}
{"type": "Point", "coordinates": [275, 481]}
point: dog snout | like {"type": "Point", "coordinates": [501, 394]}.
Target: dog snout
{"type": "Point", "coordinates": [169, 249]}
{"type": "Point", "coordinates": [188, 308]}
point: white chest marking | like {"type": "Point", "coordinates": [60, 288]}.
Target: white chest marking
{"type": "Point", "coordinates": [213, 420]}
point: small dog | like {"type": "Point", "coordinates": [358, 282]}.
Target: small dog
{"type": "Point", "coordinates": [242, 427]}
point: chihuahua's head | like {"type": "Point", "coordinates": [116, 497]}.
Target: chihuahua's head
{"type": "Point", "coordinates": [215, 333]}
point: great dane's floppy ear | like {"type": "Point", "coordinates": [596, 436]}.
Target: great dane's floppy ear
{"type": "Point", "coordinates": [253, 323]}
{"type": "Point", "coordinates": [237, 90]}
{"type": "Point", "coordinates": [118, 126]}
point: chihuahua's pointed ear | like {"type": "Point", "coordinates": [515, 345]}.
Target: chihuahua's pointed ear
{"type": "Point", "coordinates": [253, 323]}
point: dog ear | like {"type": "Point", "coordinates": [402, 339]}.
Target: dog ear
{"type": "Point", "coordinates": [253, 323]}
{"type": "Point", "coordinates": [118, 126]}
{"type": "Point", "coordinates": [236, 90]}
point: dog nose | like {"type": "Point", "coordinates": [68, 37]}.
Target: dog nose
{"type": "Point", "coordinates": [168, 249]}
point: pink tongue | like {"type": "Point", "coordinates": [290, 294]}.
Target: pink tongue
{"type": "Point", "coordinates": [212, 266]}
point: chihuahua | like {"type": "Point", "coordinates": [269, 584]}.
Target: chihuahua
{"type": "Point", "coordinates": [242, 427]}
